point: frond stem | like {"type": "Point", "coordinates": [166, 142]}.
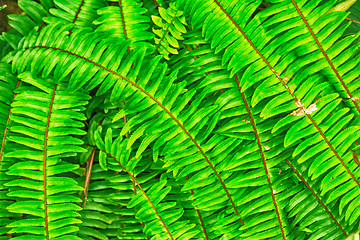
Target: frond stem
{"type": "Point", "coordinates": [123, 20]}
{"type": "Point", "coordinates": [45, 162]}
{"type": "Point", "coordinates": [352, 20]}
{"type": "Point", "coordinates": [315, 195]}
{"type": "Point", "coordinates": [88, 175]}
{"type": "Point", "coordinates": [76, 15]}
{"type": "Point", "coordinates": [262, 157]}
{"type": "Point", "coordinates": [43, 23]}
{"type": "Point", "coordinates": [166, 32]}
{"type": "Point", "coordinates": [156, 3]}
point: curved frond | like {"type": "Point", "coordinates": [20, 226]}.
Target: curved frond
{"type": "Point", "coordinates": [205, 66]}
{"type": "Point", "coordinates": [164, 104]}
{"type": "Point", "coordinates": [313, 125]}
{"type": "Point", "coordinates": [301, 213]}
{"type": "Point", "coordinates": [191, 214]}
{"type": "Point", "coordinates": [105, 215]}
{"type": "Point", "coordinates": [244, 127]}
{"type": "Point", "coordinates": [107, 193]}
{"type": "Point", "coordinates": [256, 160]}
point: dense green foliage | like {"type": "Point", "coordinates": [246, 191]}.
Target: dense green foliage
{"type": "Point", "coordinates": [180, 119]}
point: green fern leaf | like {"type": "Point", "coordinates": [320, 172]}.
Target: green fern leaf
{"type": "Point", "coordinates": [172, 26]}
{"type": "Point", "coordinates": [38, 145]}
{"type": "Point", "coordinates": [149, 202]}
{"type": "Point", "coordinates": [131, 22]}
{"type": "Point", "coordinates": [333, 56]}
{"type": "Point", "coordinates": [81, 13]}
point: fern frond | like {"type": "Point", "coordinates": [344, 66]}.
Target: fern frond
{"type": "Point", "coordinates": [40, 140]}
{"type": "Point", "coordinates": [35, 11]}
{"type": "Point", "coordinates": [71, 56]}
{"type": "Point", "coordinates": [322, 45]}
{"type": "Point", "coordinates": [10, 42]}
{"type": "Point", "coordinates": [127, 20]}
{"type": "Point", "coordinates": [204, 70]}
{"type": "Point", "coordinates": [106, 193]}
{"type": "Point", "coordinates": [95, 216]}
{"type": "Point", "coordinates": [332, 158]}
{"type": "Point", "coordinates": [8, 84]}
{"type": "Point", "coordinates": [6, 48]}
{"type": "Point", "coordinates": [22, 24]}
{"type": "Point", "coordinates": [162, 218]}
{"type": "Point", "coordinates": [172, 26]}
{"type": "Point", "coordinates": [191, 214]}
{"type": "Point", "coordinates": [79, 12]}
{"type": "Point", "coordinates": [243, 123]}
{"type": "Point", "coordinates": [301, 212]}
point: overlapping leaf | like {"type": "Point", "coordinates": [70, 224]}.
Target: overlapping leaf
{"type": "Point", "coordinates": [311, 118]}
{"type": "Point", "coordinates": [24, 23]}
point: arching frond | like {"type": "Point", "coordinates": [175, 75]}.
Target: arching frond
{"type": "Point", "coordinates": [23, 24]}
{"type": "Point", "coordinates": [301, 213]}
{"type": "Point", "coordinates": [257, 159]}
{"type": "Point", "coordinates": [106, 193]}
{"type": "Point", "coordinates": [332, 151]}
{"type": "Point", "coordinates": [137, 91]}
{"type": "Point", "coordinates": [205, 66]}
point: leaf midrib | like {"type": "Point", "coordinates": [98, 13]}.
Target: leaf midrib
{"type": "Point", "coordinates": [262, 157]}
{"type": "Point", "coordinates": [45, 162]}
